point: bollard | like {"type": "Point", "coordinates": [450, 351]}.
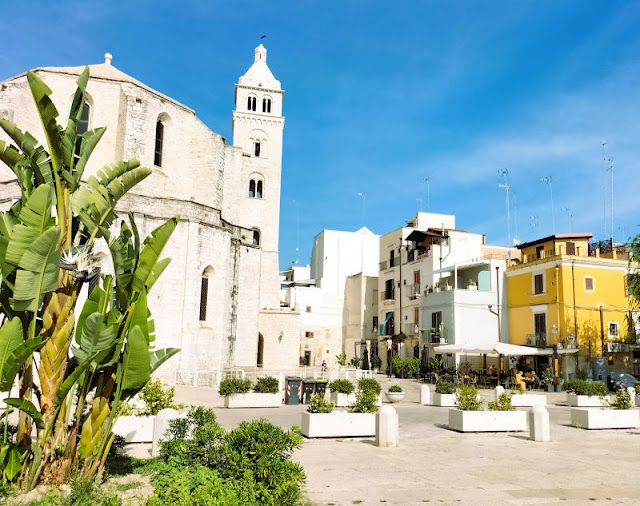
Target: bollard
{"type": "Point", "coordinates": [499, 391]}
{"type": "Point", "coordinates": [539, 428]}
{"type": "Point", "coordinates": [160, 426]}
{"type": "Point", "coordinates": [632, 394]}
{"type": "Point", "coordinates": [425, 395]}
{"type": "Point", "coordinates": [387, 427]}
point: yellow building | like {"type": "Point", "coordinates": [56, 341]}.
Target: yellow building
{"type": "Point", "coordinates": [564, 296]}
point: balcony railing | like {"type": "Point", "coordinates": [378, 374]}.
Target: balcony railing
{"type": "Point", "coordinates": [536, 340]}
{"type": "Point", "coordinates": [388, 295]}
{"type": "Point", "coordinates": [413, 291]}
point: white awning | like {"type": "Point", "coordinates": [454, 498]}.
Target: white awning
{"type": "Point", "coordinates": [496, 348]}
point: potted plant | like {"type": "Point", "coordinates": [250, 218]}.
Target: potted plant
{"type": "Point", "coordinates": [342, 392]}
{"type": "Point", "coordinates": [470, 417]}
{"type": "Point", "coordinates": [548, 379]}
{"type": "Point", "coordinates": [620, 414]}
{"type": "Point", "coordinates": [581, 393]}
{"type": "Point", "coordinates": [443, 339]}
{"type": "Point", "coordinates": [320, 420]}
{"type": "Point", "coordinates": [237, 393]}
{"type": "Point", "coordinates": [472, 285]}
{"type": "Point", "coordinates": [342, 360]}
{"type": "Point", "coordinates": [376, 362]}
{"type": "Point", "coordinates": [394, 393]}
{"type": "Point", "coordinates": [445, 394]}
{"type": "Point", "coordinates": [436, 286]}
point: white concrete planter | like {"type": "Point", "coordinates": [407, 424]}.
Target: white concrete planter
{"type": "Point", "coordinates": [342, 400]}
{"type": "Point", "coordinates": [528, 400]}
{"type": "Point", "coordinates": [487, 421]}
{"type": "Point", "coordinates": [585, 401]}
{"type": "Point", "coordinates": [394, 396]}
{"type": "Point", "coordinates": [253, 400]}
{"type": "Point", "coordinates": [446, 400]}
{"type": "Point", "coordinates": [594, 418]}
{"type": "Point", "coordinates": [338, 424]}
{"type": "Point", "coordinates": [135, 429]}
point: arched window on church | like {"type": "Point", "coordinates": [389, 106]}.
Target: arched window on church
{"type": "Point", "coordinates": [266, 105]}
{"type": "Point", "coordinates": [157, 156]}
{"type": "Point", "coordinates": [204, 293]}
{"type": "Point", "coordinates": [83, 124]}
{"type": "Point", "coordinates": [251, 103]}
{"type": "Point", "coordinates": [252, 189]}
{"type": "Point", "coordinates": [259, 189]}
{"type": "Point", "coordinates": [256, 148]}
{"type": "Point", "coordinates": [256, 237]}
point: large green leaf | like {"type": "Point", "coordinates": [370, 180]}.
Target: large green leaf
{"type": "Point", "coordinates": [159, 357]}
{"type": "Point", "coordinates": [28, 408]}
{"type": "Point", "coordinates": [150, 254]}
{"type": "Point", "coordinates": [38, 158]}
{"type": "Point", "coordinates": [97, 339]}
{"type": "Point", "coordinates": [35, 218]}
{"type": "Point", "coordinates": [12, 463]}
{"type": "Point", "coordinates": [89, 141]}
{"type": "Point", "coordinates": [38, 271]}
{"type": "Point", "coordinates": [98, 302]}
{"type": "Point", "coordinates": [48, 116]}
{"type": "Point", "coordinates": [137, 361]}
{"type": "Point", "coordinates": [70, 135]}
{"type": "Point", "coordinates": [10, 339]}
{"type": "Point", "coordinates": [12, 363]}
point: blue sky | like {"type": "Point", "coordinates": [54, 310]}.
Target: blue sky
{"type": "Point", "coordinates": [382, 95]}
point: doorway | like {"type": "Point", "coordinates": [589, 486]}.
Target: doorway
{"type": "Point", "coordinates": [260, 360]}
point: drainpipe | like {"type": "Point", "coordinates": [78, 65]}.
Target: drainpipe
{"type": "Point", "coordinates": [498, 306]}
{"type": "Point", "coordinates": [602, 329]}
{"type": "Point", "coordinates": [575, 314]}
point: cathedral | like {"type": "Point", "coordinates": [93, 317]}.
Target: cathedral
{"type": "Point", "coordinates": [218, 301]}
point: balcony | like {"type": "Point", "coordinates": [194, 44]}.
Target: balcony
{"type": "Point", "coordinates": [413, 291]}
{"type": "Point", "coordinates": [410, 329]}
{"type": "Point", "coordinates": [388, 264]}
{"type": "Point", "coordinates": [535, 340]}
{"type": "Point", "coordinates": [388, 295]}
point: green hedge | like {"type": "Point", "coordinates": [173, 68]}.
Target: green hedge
{"type": "Point", "coordinates": [445, 387]}
{"type": "Point", "coordinates": [233, 386]}
{"type": "Point", "coordinates": [582, 387]}
{"type": "Point", "coordinates": [407, 367]}
{"type": "Point", "coordinates": [343, 386]}
{"type": "Point", "coordinates": [266, 385]}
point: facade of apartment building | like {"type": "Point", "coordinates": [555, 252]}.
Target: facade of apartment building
{"type": "Point", "coordinates": [334, 294]}
{"type": "Point", "coordinates": [564, 296]}
{"type": "Point", "coordinates": [438, 284]}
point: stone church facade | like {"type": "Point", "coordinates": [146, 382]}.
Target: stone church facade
{"type": "Point", "coordinates": [219, 298]}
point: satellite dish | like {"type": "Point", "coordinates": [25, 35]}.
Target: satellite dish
{"type": "Point", "coordinates": [516, 240]}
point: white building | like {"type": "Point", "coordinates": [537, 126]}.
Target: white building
{"type": "Point", "coordinates": [440, 284]}
{"type": "Point", "coordinates": [334, 295]}
{"type": "Point", "coordinates": [219, 298]}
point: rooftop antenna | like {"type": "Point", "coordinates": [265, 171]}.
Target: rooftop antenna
{"type": "Point", "coordinates": [427, 180]}
{"type": "Point", "coordinates": [603, 144]}
{"type": "Point", "coordinates": [610, 169]}
{"type": "Point", "coordinates": [505, 175]}
{"type": "Point", "coordinates": [515, 210]}
{"type": "Point", "coordinates": [364, 202]}
{"type": "Point", "coordinates": [570, 215]}
{"type": "Point", "coordinates": [419, 199]}
{"type": "Point", "coordinates": [533, 221]}
{"type": "Point", "coordinates": [549, 181]}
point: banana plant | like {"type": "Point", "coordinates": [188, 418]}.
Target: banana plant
{"type": "Point", "coordinates": [47, 240]}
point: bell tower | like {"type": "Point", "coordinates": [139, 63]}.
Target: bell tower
{"type": "Point", "coordinates": [257, 128]}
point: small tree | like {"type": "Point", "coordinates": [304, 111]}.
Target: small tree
{"type": "Point", "coordinates": [47, 254]}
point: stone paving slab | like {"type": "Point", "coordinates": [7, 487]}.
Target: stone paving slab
{"type": "Point", "coordinates": [436, 465]}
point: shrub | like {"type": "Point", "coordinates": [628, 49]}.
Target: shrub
{"type": "Point", "coordinates": [343, 386]}
{"type": "Point", "coordinates": [252, 463]}
{"type": "Point", "coordinates": [395, 388]}
{"type": "Point", "coordinates": [198, 485]}
{"type": "Point", "coordinates": [405, 367]}
{"type": "Point", "coordinates": [622, 400]}
{"type": "Point", "coordinates": [232, 386]}
{"type": "Point", "coordinates": [376, 362]}
{"type": "Point", "coordinates": [318, 404]}
{"type": "Point", "coordinates": [341, 359]}
{"type": "Point", "coordinates": [369, 384]}
{"type": "Point", "coordinates": [581, 387]}
{"type": "Point", "coordinates": [157, 398]}
{"type": "Point", "coordinates": [355, 362]}
{"type": "Point", "coordinates": [502, 404]}
{"type": "Point", "coordinates": [366, 396]}
{"type": "Point", "coordinates": [445, 387]}
{"type": "Point", "coordinates": [266, 385]}
{"type": "Point", "coordinates": [467, 399]}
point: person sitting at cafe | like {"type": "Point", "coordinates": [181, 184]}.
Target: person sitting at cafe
{"type": "Point", "coordinates": [492, 370]}
{"type": "Point", "coordinates": [520, 381]}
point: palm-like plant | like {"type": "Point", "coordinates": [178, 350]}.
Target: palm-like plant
{"type": "Point", "coordinates": [47, 241]}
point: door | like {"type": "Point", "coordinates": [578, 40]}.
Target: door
{"type": "Point", "coordinates": [540, 328]}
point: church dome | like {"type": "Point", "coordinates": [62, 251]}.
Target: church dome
{"type": "Point", "coordinates": [259, 75]}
